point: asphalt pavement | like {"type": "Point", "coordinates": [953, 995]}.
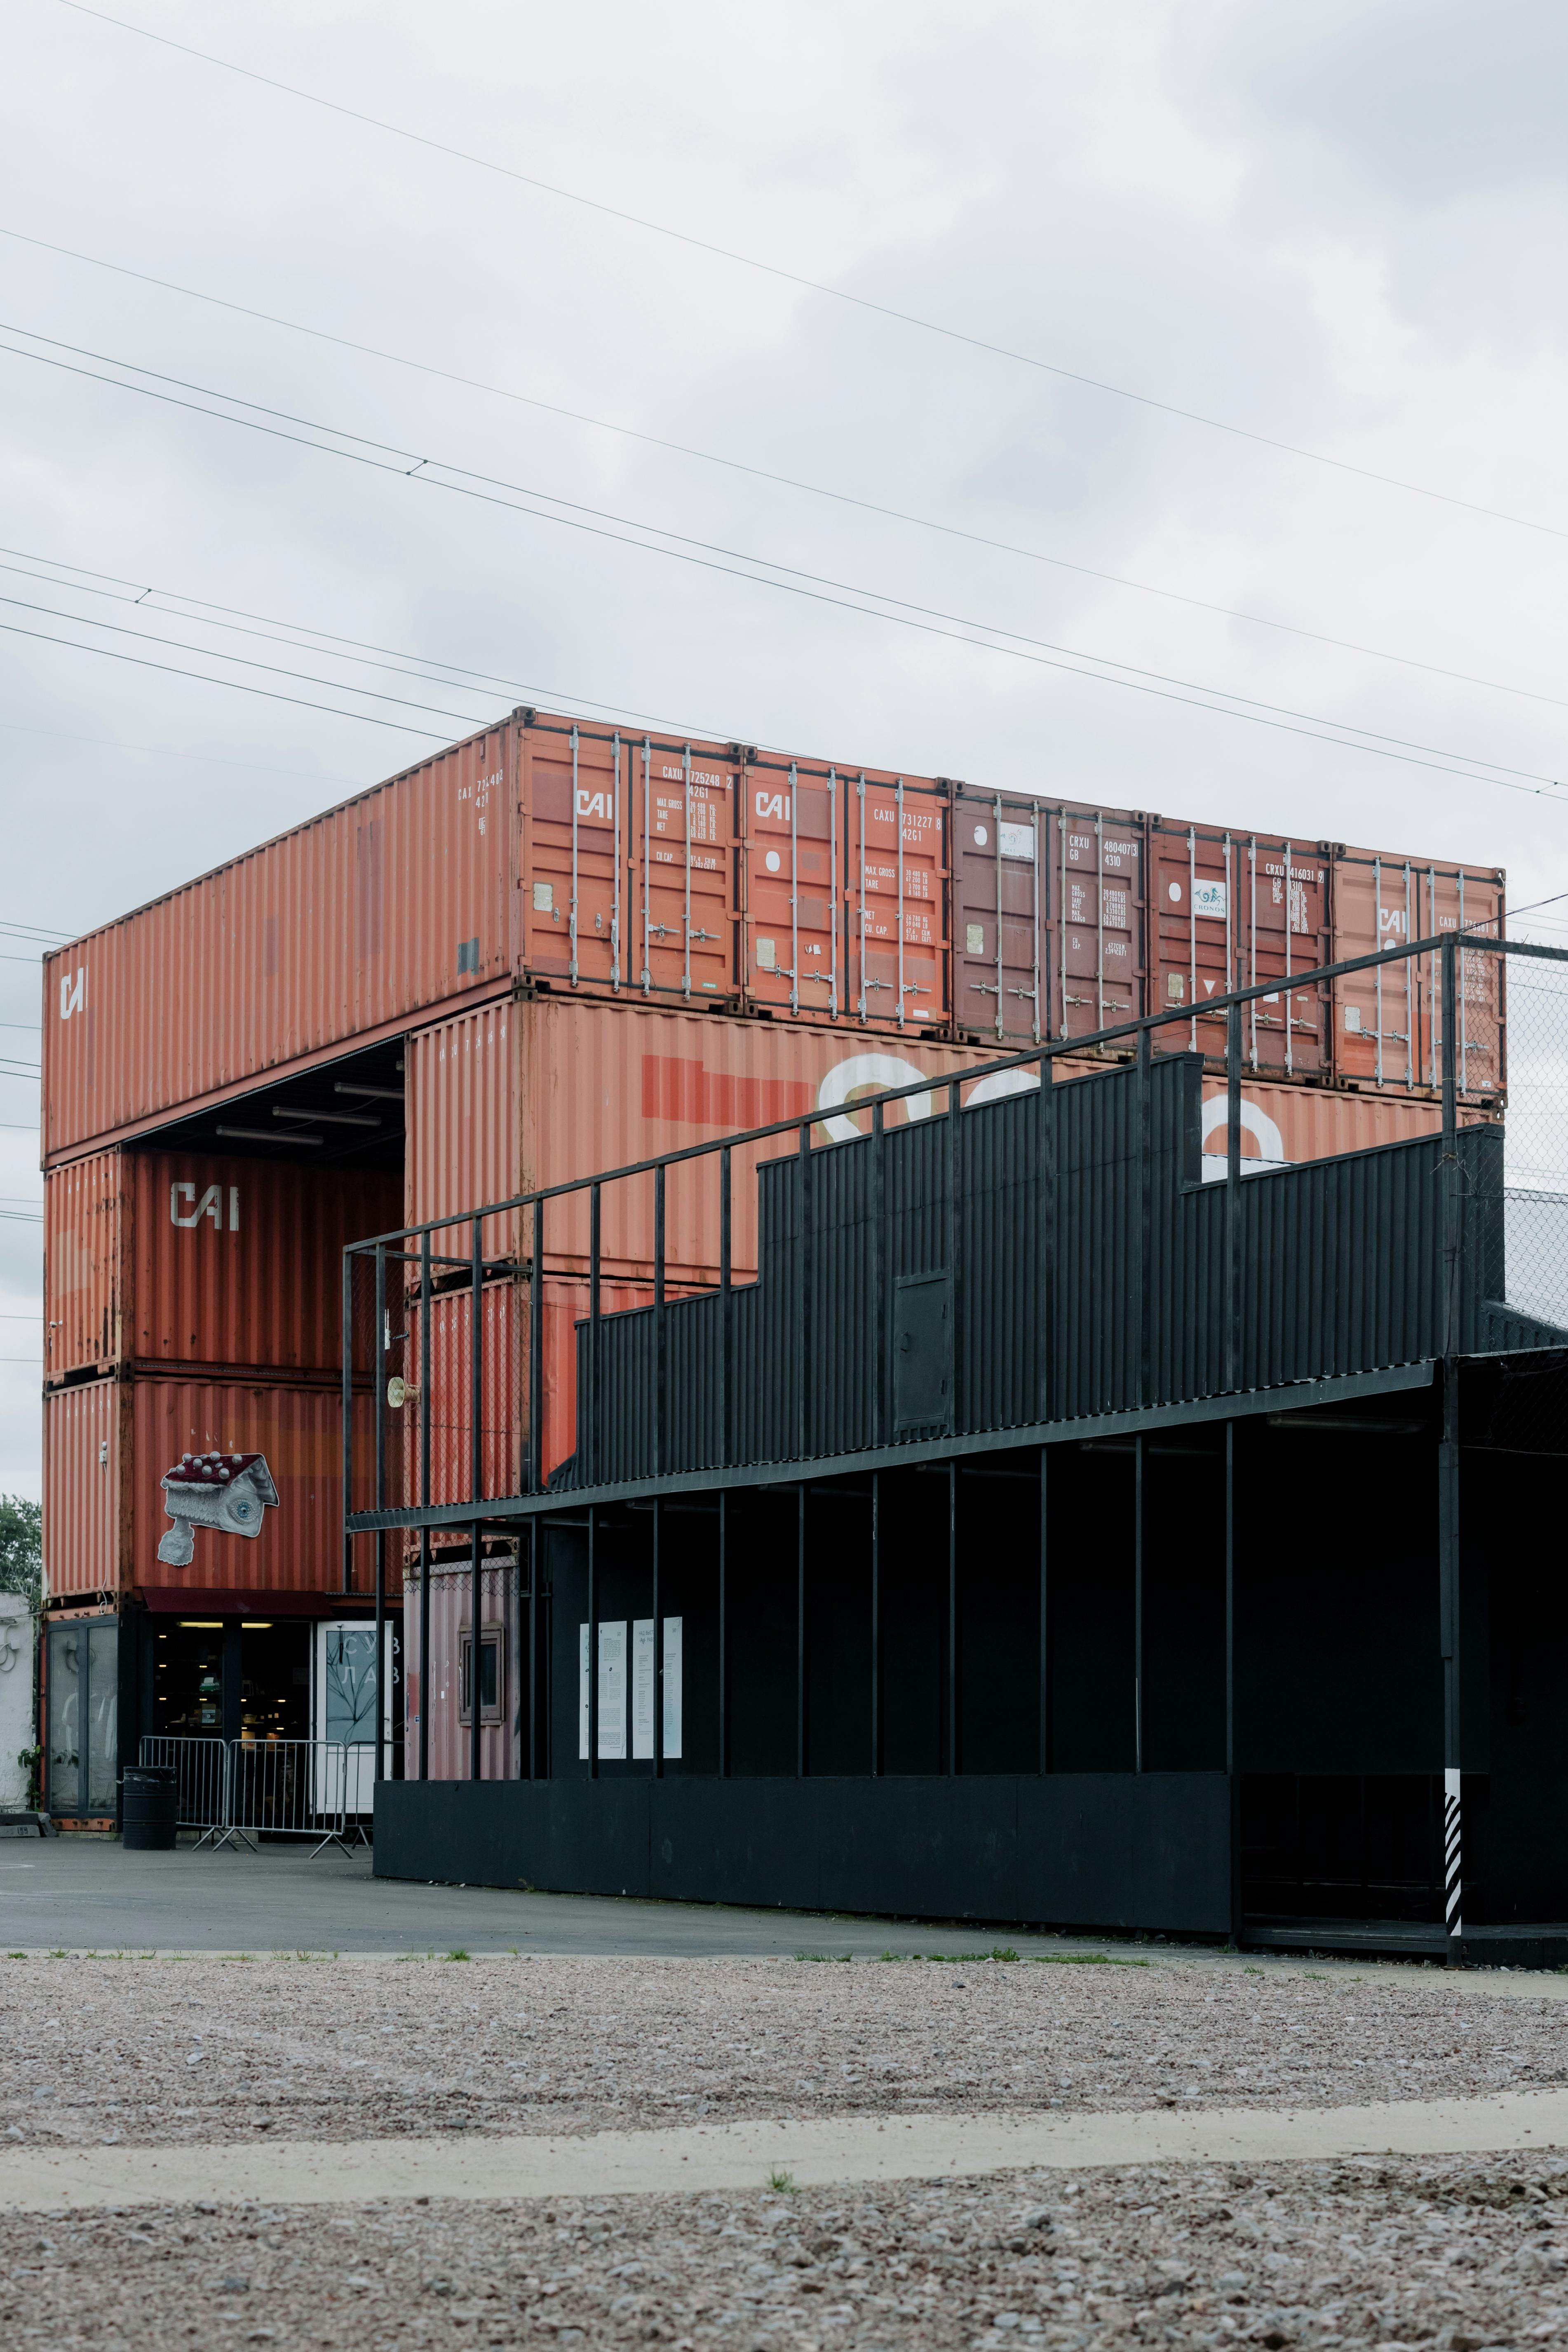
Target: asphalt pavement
{"type": "Point", "coordinates": [85, 1893]}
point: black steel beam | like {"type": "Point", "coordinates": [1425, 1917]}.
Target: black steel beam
{"type": "Point", "coordinates": [1295, 1396]}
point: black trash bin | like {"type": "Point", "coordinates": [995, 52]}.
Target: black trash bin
{"type": "Point", "coordinates": [150, 1809]}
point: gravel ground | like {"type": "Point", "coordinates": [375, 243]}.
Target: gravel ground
{"type": "Point", "coordinates": [158, 2051]}
{"type": "Point", "coordinates": [1459, 2256]}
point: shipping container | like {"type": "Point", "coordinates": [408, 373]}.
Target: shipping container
{"type": "Point", "coordinates": [447, 1689]}
{"type": "Point", "coordinates": [512, 1097]}
{"type": "Point", "coordinates": [347, 926]}
{"type": "Point", "coordinates": [554, 856]}
{"type": "Point", "coordinates": [504, 1387]}
{"type": "Point", "coordinates": [1229, 910]}
{"type": "Point", "coordinates": [176, 1257]}
{"type": "Point", "coordinates": [1388, 1024]}
{"type": "Point", "coordinates": [1049, 917]}
{"type": "Point", "coordinates": [109, 1446]}
{"type": "Point", "coordinates": [573, 858]}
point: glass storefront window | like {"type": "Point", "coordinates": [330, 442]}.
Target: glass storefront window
{"type": "Point", "coordinates": [83, 1743]}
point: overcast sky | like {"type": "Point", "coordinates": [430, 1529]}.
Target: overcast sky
{"type": "Point", "coordinates": [1338, 226]}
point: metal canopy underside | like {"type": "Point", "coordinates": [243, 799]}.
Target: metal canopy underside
{"type": "Point", "coordinates": [1296, 1396]}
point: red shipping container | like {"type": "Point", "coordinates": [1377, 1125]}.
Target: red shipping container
{"type": "Point", "coordinates": [1049, 918]}
{"type": "Point", "coordinates": [1388, 1026]}
{"type": "Point", "coordinates": [109, 1443]}
{"type": "Point", "coordinates": [1227, 910]}
{"type": "Point", "coordinates": [511, 1096]}
{"type": "Point", "coordinates": [175, 1257]}
{"type": "Point", "coordinates": [541, 850]}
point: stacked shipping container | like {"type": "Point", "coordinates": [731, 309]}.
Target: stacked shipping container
{"type": "Point", "coordinates": [547, 919]}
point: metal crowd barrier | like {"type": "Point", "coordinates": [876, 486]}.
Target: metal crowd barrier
{"type": "Point", "coordinates": [236, 1791]}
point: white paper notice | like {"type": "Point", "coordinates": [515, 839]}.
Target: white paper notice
{"type": "Point", "coordinates": [672, 1686]}
{"type": "Point", "coordinates": [643, 1686]}
{"type": "Point", "coordinates": [582, 1692]}
{"type": "Point", "coordinates": [613, 1689]}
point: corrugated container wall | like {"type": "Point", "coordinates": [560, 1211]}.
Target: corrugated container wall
{"type": "Point", "coordinates": [1388, 1025]}
{"type": "Point", "coordinates": [108, 1444]}
{"type": "Point", "coordinates": [394, 901]}
{"type": "Point", "coordinates": [517, 1096]}
{"type": "Point", "coordinates": [174, 1257]}
{"type": "Point", "coordinates": [571, 860]}
{"type": "Point", "coordinates": [441, 1684]}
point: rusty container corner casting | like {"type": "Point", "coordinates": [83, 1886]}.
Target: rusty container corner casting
{"type": "Point", "coordinates": [109, 1442]}
{"type": "Point", "coordinates": [171, 1258]}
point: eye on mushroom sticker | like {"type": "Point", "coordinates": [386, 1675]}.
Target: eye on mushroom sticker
{"type": "Point", "coordinates": [225, 1491]}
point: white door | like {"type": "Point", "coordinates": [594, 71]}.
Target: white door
{"type": "Point", "coordinates": [344, 1707]}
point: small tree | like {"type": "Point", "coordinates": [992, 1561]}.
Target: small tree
{"type": "Point", "coordinates": [22, 1549]}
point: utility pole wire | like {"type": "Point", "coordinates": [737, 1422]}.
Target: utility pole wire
{"type": "Point", "coordinates": [814, 285]}
{"type": "Point", "coordinates": [789, 481]}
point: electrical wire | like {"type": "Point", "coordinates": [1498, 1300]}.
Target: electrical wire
{"type": "Point", "coordinates": [235, 684]}
{"type": "Point", "coordinates": [815, 284]}
{"type": "Point", "coordinates": [810, 490]}
{"type": "Point", "coordinates": [794, 580]}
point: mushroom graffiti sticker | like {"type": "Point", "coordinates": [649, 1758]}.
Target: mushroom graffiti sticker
{"type": "Point", "coordinates": [225, 1491]}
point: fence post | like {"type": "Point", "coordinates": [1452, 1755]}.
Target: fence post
{"type": "Point", "coordinates": [348, 1418]}
{"type": "Point", "coordinates": [1233, 1235]}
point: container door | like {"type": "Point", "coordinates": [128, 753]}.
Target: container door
{"type": "Point", "coordinates": [1285, 928]}
{"type": "Point", "coordinates": [684, 821]}
{"type": "Point", "coordinates": [67, 1674]}
{"type": "Point", "coordinates": [1001, 952]}
{"type": "Point", "coordinates": [1453, 900]}
{"type": "Point", "coordinates": [1376, 1014]}
{"type": "Point", "coordinates": [101, 1719]}
{"type": "Point", "coordinates": [794, 824]}
{"type": "Point", "coordinates": [896, 878]}
{"type": "Point", "coordinates": [1095, 902]}
{"type": "Point", "coordinates": [575, 802]}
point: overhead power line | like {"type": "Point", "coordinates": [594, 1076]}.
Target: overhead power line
{"type": "Point", "coordinates": [813, 285]}
{"type": "Point", "coordinates": [793, 482]}
{"type": "Point", "coordinates": [792, 580]}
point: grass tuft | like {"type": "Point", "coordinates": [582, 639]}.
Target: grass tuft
{"type": "Point", "coordinates": [458, 1954]}
{"type": "Point", "coordinates": [781, 2183]}
{"type": "Point", "coordinates": [1086, 1960]}
{"type": "Point", "coordinates": [833, 1959]}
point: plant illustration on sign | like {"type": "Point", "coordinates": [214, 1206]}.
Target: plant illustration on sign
{"type": "Point", "coordinates": [225, 1491]}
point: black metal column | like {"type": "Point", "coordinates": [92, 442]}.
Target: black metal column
{"type": "Point", "coordinates": [531, 1717]}
{"type": "Point", "coordinates": [382, 1329]}
{"type": "Point", "coordinates": [950, 1679]}
{"type": "Point", "coordinates": [1145, 1220]}
{"type": "Point", "coordinates": [592, 1642]}
{"type": "Point", "coordinates": [424, 1504]}
{"type": "Point", "coordinates": [348, 1418]}
{"type": "Point", "coordinates": [1234, 1776]}
{"type": "Point", "coordinates": [475, 1481]}
{"type": "Point", "coordinates": [1044, 1609]}
{"type": "Point", "coordinates": [1138, 1447]}
{"type": "Point", "coordinates": [1448, 1549]}
{"type": "Point", "coordinates": [876, 1622]}
{"type": "Point", "coordinates": [724, 1633]}
{"type": "Point", "coordinates": [1233, 1233]}
{"type": "Point", "coordinates": [658, 1646]}
{"type": "Point", "coordinates": [801, 1633]}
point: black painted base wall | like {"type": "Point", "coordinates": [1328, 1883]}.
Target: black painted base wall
{"type": "Point", "coordinates": [1074, 1849]}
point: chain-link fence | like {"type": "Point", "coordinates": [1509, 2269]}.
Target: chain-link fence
{"type": "Point", "coordinates": [1516, 1212]}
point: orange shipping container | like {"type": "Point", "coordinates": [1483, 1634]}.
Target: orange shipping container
{"type": "Point", "coordinates": [1388, 1025]}
{"type": "Point", "coordinates": [512, 1097]}
{"type": "Point", "coordinates": [107, 1445]}
{"type": "Point", "coordinates": [175, 1257]}
{"type": "Point", "coordinates": [543, 850]}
